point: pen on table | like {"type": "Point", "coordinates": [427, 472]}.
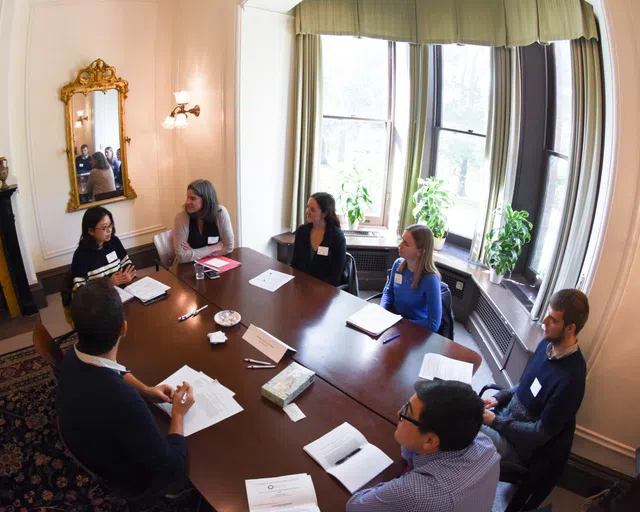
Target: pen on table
{"type": "Point", "coordinates": [185, 316]}
{"type": "Point", "coordinates": [254, 361]}
{"type": "Point", "coordinates": [197, 311]}
{"type": "Point", "coordinates": [258, 367]}
{"type": "Point", "coordinates": [391, 338]}
{"type": "Point", "coordinates": [343, 459]}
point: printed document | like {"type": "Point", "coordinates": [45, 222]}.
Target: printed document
{"type": "Point", "coordinates": [213, 402]}
{"type": "Point", "coordinates": [271, 280]}
{"type": "Point", "coordinates": [147, 289]}
{"type": "Point", "coordinates": [269, 345]}
{"type": "Point", "coordinates": [292, 493]}
{"type": "Point", "coordinates": [346, 454]}
{"type": "Point", "coordinates": [436, 366]}
{"type": "Point", "coordinates": [125, 296]}
{"type": "Point", "coordinates": [373, 319]}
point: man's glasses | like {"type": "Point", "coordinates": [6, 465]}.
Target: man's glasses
{"type": "Point", "coordinates": [108, 227]}
{"type": "Point", "coordinates": [402, 414]}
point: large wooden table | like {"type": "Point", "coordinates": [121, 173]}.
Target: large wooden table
{"type": "Point", "coordinates": [261, 441]}
{"type": "Point", "coordinates": [310, 316]}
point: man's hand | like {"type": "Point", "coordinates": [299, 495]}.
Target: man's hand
{"type": "Point", "coordinates": [490, 403]}
{"type": "Point", "coordinates": [183, 399]}
{"type": "Point", "coordinates": [488, 417]}
{"type": "Point", "coordinates": [158, 394]}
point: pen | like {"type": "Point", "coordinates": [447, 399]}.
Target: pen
{"type": "Point", "coordinates": [252, 367]}
{"type": "Point", "coordinates": [391, 338]}
{"type": "Point", "coordinates": [343, 459]}
{"type": "Point", "coordinates": [197, 311]}
{"type": "Point", "coordinates": [185, 316]}
{"type": "Point", "coordinates": [254, 361]}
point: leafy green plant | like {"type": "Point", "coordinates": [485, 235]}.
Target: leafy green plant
{"type": "Point", "coordinates": [504, 243]}
{"type": "Point", "coordinates": [355, 197]}
{"type": "Point", "coordinates": [432, 201]}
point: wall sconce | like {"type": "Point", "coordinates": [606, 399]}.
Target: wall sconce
{"type": "Point", "coordinates": [81, 119]}
{"type": "Point", "coordinates": [178, 117]}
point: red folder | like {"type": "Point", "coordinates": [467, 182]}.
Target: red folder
{"type": "Point", "coordinates": [216, 263]}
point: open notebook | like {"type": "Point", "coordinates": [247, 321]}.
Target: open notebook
{"type": "Point", "coordinates": [147, 289]}
{"type": "Point", "coordinates": [373, 319]}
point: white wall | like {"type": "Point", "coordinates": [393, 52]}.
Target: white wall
{"type": "Point", "coordinates": [267, 132]}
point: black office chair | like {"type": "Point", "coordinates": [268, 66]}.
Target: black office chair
{"type": "Point", "coordinates": [537, 479]}
{"type": "Point", "coordinates": [350, 277]}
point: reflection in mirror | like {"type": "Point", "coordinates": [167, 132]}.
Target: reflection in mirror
{"type": "Point", "coordinates": [96, 137]}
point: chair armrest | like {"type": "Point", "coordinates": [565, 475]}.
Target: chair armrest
{"type": "Point", "coordinates": [376, 296]}
{"type": "Point", "coordinates": [344, 287]}
{"type": "Point", "coordinates": [490, 386]}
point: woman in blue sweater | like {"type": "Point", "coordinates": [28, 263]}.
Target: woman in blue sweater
{"type": "Point", "coordinates": [413, 289]}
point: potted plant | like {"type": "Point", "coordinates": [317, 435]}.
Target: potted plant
{"type": "Point", "coordinates": [504, 243]}
{"type": "Point", "coordinates": [432, 201]}
{"type": "Point", "coordinates": [355, 198]}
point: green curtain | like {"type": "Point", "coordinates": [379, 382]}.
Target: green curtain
{"type": "Point", "coordinates": [419, 77]}
{"type": "Point", "coordinates": [497, 147]}
{"type": "Point", "coordinates": [584, 177]}
{"type": "Point", "coordinates": [482, 22]}
{"type": "Point", "coordinates": [308, 123]}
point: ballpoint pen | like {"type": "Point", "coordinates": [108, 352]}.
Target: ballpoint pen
{"type": "Point", "coordinates": [254, 361]}
{"type": "Point", "coordinates": [197, 311]}
{"type": "Point", "coordinates": [259, 367]}
{"type": "Point", "coordinates": [391, 338]}
{"type": "Point", "coordinates": [344, 459]}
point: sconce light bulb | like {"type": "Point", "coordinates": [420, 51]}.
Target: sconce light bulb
{"type": "Point", "coordinates": [80, 113]}
{"type": "Point", "coordinates": [182, 97]}
{"type": "Point", "coordinates": [78, 124]}
{"type": "Point", "coordinates": [181, 121]}
{"type": "Point", "coordinates": [168, 122]}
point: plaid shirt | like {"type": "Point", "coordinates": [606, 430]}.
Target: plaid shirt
{"type": "Point", "coordinates": [453, 481]}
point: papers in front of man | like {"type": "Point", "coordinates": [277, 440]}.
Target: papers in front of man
{"type": "Point", "coordinates": [213, 401]}
{"type": "Point", "coordinates": [271, 280]}
{"type": "Point", "coordinates": [436, 366]}
{"type": "Point", "coordinates": [373, 319]}
{"type": "Point", "coordinates": [269, 345]}
{"type": "Point", "coordinates": [285, 387]}
{"type": "Point", "coordinates": [346, 454]}
{"type": "Point", "coordinates": [147, 289]}
{"type": "Point", "coordinates": [292, 493]}
{"type": "Point", "coordinates": [125, 296]}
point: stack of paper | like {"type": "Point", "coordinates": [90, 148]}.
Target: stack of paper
{"type": "Point", "coordinates": [373, 319]}
{"type": "Point", "coordinates": [346, 454]}
{"type": "Point", "coordinates": [147, 289]}
{"type": "Point", "coordinates": [293, 493]}
{"type": "Point", "coordinates": [213, 402]}
{"type": "Point", "coordinates": [271, 280]}
{"type": "Point", "coordinates": [219, 264]}
{"type": "Point", "coordinates": [435, 366]}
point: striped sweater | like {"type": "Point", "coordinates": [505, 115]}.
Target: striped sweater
{"type": "Point", "coordinates": [95, 263]}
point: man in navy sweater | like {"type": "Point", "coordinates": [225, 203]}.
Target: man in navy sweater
{"type": "Point", "coordinates": [103, 417]}
{"type": "Point", "coordinates": [551, 389]}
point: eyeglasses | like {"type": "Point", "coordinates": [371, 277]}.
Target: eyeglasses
{"type": "Point", "coordinates": [402, 414]}
{"type": "Point", "coordinates": [108, 227]}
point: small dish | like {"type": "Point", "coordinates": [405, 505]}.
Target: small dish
{"type": "Point", "coordinates": [227, 318]}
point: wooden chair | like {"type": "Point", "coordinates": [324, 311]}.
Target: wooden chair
{"type": "Point", "coordinates": [47, 348]}
{"type": "Point", "coordinates": [164, 245]}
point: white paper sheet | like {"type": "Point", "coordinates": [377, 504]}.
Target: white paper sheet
{"type": "Point", "coordinates": [269, 345]}
{"type": "Point", "coordinates": [292, 493]}
{"type": "Point", "coordinates": [271, 280]}
{"type": "Point", "coordinates": [294, 412]}
{"type": "Point", "coordinates": [147, 288]}
{"type": "Point", "coordinates": [436, 366]}
{"type": "Point", "coordinates": [213, 402]}
{"type": "Point", "coordinates": [125, 296]}
{"type": "Point", "coordinates": [373, 319]}
{"type": "Point", "coordinates": [217, 337]}
{"type": "Point", "coordinates": [216, 262]}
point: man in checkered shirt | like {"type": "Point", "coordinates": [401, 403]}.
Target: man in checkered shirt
{"type": "Point", "coordinates": [452, 467]}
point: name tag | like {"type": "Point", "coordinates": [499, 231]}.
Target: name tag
{"type": "Point", "coordinates": [397, 279]}
{"type": "Point", "coordinates": [535, 387]}
{"type": "Point", "coordinates": [323, 251]}
{"type": "Point", "coordinates": [213, 240]}
{"type": "Point", "coordinates": [112, 256]}
{"type": "Point", "coordinates": [80, 165]}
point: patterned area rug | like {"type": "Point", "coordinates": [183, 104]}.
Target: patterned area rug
{"type": "Point", "coordinates": [36, 472]}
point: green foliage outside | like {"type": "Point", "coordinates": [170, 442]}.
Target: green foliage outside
{"type": "Point", "coordinates": [432, 201]}
{"type": "Point", "coordinates": [355, 197]}
{"type": "Point", "coordinates": [504, 244]}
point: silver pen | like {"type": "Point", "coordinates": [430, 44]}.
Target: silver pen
{"type": "Point", "coordinates": [254, 361]}
{"type": "Point", "coordinates": [258, 367]}
{"type": "Point", "coordinates": [197, 311]}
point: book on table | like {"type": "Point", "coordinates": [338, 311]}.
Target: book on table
{"type": "Point", "coordinates": [147, 290]}
{"type": "Point", "coordinates": [373, 319]}
{"type": "Point", "coordinates": [219, 263]}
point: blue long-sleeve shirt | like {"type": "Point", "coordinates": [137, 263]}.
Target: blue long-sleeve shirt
{"type": "Point", "coordinates": [421, 305]}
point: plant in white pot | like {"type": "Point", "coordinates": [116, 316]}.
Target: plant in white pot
{"type": "Point", "coordinates": [355, 197]}
{"type": "Point", "coordinates": [504, 243]}
{"type": "Point", "coordinates": [432, 201]}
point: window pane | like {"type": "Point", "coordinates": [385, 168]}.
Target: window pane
{"type": "Point", "coordinates": [466, 79]}
{"type": "Point", "coordinates": [551, 217]}
{"type": "Point", "coordinates": [460, 162]}
{"type": "Point", "coordinates": [346, 143]}
{"type": "Point", "coordinates": [355, 77]}
{"type": "Point", "coordinates": [564, 98]}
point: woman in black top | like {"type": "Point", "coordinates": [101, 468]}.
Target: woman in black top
{"type": "Point", "coordinates": [320, 247]}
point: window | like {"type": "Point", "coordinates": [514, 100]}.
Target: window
{"type": "Point", "coordinates": [357, 123]}
{"type": "Point", "coordinates": [463, 81]}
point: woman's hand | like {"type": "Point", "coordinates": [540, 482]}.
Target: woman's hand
{"type": "Point", "coordinates": [124, 276]}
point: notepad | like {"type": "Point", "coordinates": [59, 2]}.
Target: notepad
{"type": "Point", "coordinates": [373, 319]}
{"type": "Point", "coordinates": [346, 454]}
{"type": "Point", "coordinates": [147, 289]}
{"type": "Point", "coordinates": [292, 493]}
{"type": "Point", "coordinates": [436, 366]}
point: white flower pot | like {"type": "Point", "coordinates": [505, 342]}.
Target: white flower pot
{"type": "Point", "coordinates": [438, 243]}
{"type": "Point", "coordinates": [354, 226]}
{"type": "Point", "coordinates": [494, 277]}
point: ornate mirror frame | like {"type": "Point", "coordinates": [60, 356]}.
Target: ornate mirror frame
{"type": "Point", "coordinates": [98, 76]}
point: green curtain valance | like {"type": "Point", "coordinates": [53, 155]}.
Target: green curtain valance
{"type": "Point", "coordinates": [481, 22]}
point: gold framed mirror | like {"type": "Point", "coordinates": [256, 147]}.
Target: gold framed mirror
{"type": "Point", "coordinates": [96, 137]}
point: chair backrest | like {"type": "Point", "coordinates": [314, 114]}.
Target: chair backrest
{"type": "Point", "coordinates": [47, 348]}
{"type": "Point", "coordinates": [164, 246]}
{"type": "Point", "coordinates": [448, 321]}
{"type": "Point", "coordinates": [350, 276]}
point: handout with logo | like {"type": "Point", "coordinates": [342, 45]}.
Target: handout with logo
{"type": "Point", "coordinates": [292, 493]}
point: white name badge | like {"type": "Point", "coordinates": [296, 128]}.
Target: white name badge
{"type": "Point", "coordinates": [398, 279]}
{"type": "Point", "coordinates": [535, 387]}
{"type": "Point", "coordinates": [112, 256]}
{"type": "Point", "coordinates": [80, 165]}
{"type": "Point", "coordinates": [323, 251]}
{"type": "Point", "coordinates": [213, 240]}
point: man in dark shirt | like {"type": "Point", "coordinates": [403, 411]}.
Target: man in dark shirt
{"type": "Point", "coordinates": [551, 389]}
{"type": "Point", "coordinates": [83, 161]}
{"type": "Point", "coordinates": [103, 417]}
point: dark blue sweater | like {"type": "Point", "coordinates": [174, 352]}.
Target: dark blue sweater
{"type": "Point", "coordinates": [109, 428]}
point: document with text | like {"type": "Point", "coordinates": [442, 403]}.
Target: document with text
{"type": "Point", "coordinates": [147, 289]}
{"type": "Point", "coordinates": [125, 296]}
{"type": "Point", "coordinates": [346, 454]}
{"type": "Point", "coordinates": [436, 366]}
{"type": "Point", "coordinates": [373, 319]}
{"type": "Point", "coordinates": [271, 280]}
{"type": "Point", "coordinates": [292, 493]}
{"type": "Point", "coordinates": [269, 345]}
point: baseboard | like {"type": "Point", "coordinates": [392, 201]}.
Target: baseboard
{"type": "Point", "coordinates": [142, 256]}
{"type": "Point", "coordinates": [586, 478]}
{"type": "Point", "coordinates": [38, 295]}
